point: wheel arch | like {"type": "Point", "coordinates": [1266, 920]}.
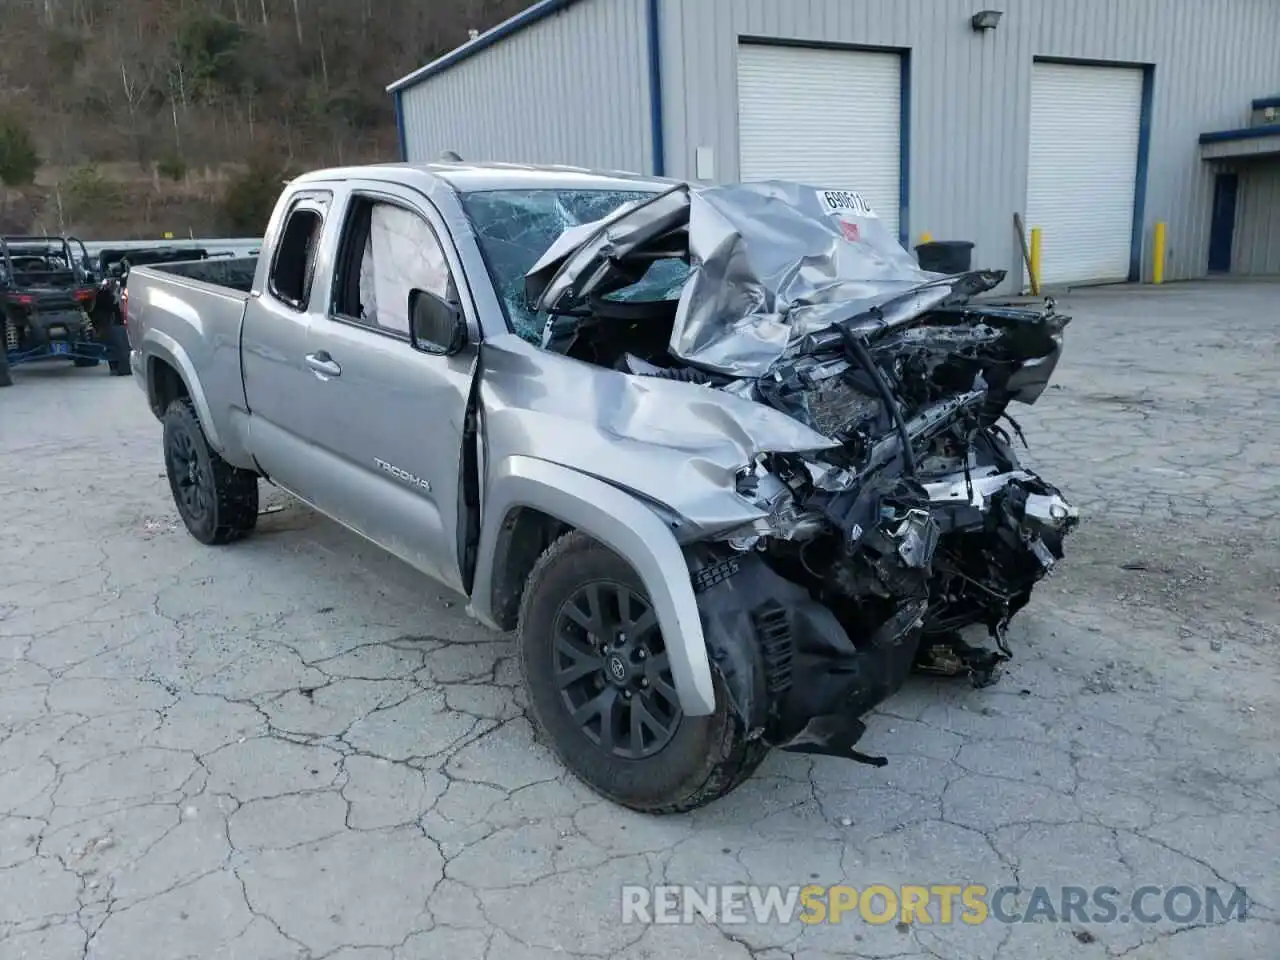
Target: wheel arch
{"type": "Point", "coordinates": [164, 385]}
{"type": "Point", "coordinates": [170, 375]}
{"type": "Point", "coordinates": [523, 535]}
{"type": "Point", "coordinates": [528, 500]}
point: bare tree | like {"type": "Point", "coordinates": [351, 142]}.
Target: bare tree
{"type": "Point", "coordinates": [202, 83]}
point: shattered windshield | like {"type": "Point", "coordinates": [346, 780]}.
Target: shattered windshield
{"type": "Point", "coordinates": [516, 227]}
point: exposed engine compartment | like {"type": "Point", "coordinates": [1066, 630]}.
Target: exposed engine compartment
{"type": "Point", "coordinates": [905, 545]}
{"type": "Point", "coordinates": [950, 376]}
{"type": "Point", "coordinates": [871, 555]}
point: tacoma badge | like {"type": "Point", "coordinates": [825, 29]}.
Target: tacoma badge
{"type": "Point", "coordinates": [405, 475]}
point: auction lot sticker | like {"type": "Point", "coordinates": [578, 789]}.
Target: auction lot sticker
{"type": "Point", "coordinates": [846, 202]}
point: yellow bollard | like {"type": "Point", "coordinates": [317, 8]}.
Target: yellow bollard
{"type": "Point", "coordinates": [926, 237]}
{"type": "Point", "coordinates": [1035, 261]}
{"type": "Point", "coordinates": [1157, 253]}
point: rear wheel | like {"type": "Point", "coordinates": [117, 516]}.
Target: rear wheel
{"type": "Point", "coordinates": [600, 688]}
{"type": "Point", "coordinates": [217, 502]}
{"type": "Point", "coordinates": [85, 361]}
{"type": "Point", "coordinates": [6, 378]}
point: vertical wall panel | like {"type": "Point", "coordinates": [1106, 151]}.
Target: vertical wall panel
{"type": "Point", "coordinates": [970, 95]}
{"type": "Point", "coordinates": [1255, 247]}
{"type": "Point", "coordinates": [571, 89]}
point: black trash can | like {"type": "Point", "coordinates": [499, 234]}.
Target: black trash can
{"type": "Point", "coordinates": [945, 256]}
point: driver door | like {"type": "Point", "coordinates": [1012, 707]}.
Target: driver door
{"type": "Point", "coordinates": [388, 418]}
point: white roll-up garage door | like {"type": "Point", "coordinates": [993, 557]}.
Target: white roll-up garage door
{"type": "Point", "coordinates": [830, 118]}
{"type": "Point", "coordinates": [1083, 169]}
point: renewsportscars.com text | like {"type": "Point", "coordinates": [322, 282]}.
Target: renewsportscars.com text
{"type": "Point", "coordinates": [929, 904]}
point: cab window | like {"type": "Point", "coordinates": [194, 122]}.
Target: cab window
{"type": "Point", "coordinates": [387, 251]}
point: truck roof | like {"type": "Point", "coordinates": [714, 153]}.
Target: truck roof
{"type": "Point", "coordinates": [477, 177]}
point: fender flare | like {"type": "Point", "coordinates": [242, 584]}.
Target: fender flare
{"type": "Point", "coordinates": [157, 345]}
{"type": "Point", "coordinates": [625, 525]}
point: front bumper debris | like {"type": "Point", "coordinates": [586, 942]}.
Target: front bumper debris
{"type": "Point", "coordinates": [801, 680]}
{"type": "Point", "coordinates": [793, 674]}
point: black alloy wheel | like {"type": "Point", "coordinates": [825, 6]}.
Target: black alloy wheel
{"type": "Point", "coordinates": [612, 670]}
{"type": "Point", "coordinates": [192, 481]}
{"type": "Point", "coordinates": [217, 502]}
{"type": "Point", "coordinates": [597, 673]}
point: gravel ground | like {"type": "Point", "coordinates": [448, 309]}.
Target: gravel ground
{"type": "Point", "coordinates": [298, 747]}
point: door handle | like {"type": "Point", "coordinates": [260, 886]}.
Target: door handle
{"type": "Point", "coordinates": [323, 365]}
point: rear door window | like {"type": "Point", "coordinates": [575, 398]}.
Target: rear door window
{"type": "Point", "coordinates": [294, 266]}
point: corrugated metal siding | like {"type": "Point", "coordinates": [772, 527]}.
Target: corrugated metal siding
{"type": "Point", "coordinates": [571, 89]}
{"type": "Point", "coordinates": [970, 95]}
{"type": "Point", "coordinates": [1240, 149]}
{"type": "Point", "coordinates": [1255, 247]}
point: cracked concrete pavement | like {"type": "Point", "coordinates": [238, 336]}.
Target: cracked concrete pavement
{"type": "Point", "coordinates": [298, 747]}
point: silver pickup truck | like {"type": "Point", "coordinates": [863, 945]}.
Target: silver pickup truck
{"type": "Point", "coordinates": [725, 458]}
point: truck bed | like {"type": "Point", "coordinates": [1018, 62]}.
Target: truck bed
{"type": "Point", "coordinates": [188, 315]}
{"type": "Point", "coordinates": [232, 273]}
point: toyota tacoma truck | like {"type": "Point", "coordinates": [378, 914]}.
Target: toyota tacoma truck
{"type": "Point", "coordinates": [725, 459]}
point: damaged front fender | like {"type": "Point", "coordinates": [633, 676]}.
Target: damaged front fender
{"type": "Point", "coordinates": [678, 444]}
{"type": "Point", "coordinates": [627, 527]}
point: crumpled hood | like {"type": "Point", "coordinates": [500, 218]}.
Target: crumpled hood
{"type": "Point", "coordinates": [770, 263]}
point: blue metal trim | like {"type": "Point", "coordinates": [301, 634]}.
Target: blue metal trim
{"type": "Point", "coordinates": [79, 350]}
{"type": "Point", "coordinates": [1244, 133]}
{"type": "Point", "coordinates": [758, 40]}
{"type": "Point", "coordinates": [657, 134]}
{"type": "Point", "coordinates": [527, 18]}
{"type": "Point", "coordinates": [1140, 184]}
{"type": "Point", "coordinates": [904, 152]}
{"type": "Point", "coordinates": [398, 97]}
{"type": "Point", "coordinates": [1090, 62]}
{"type": "Point", "coordinates": [1263, 102]}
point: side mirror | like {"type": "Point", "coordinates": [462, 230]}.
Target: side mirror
{"type": "Point", "coordinates": [435, 325]}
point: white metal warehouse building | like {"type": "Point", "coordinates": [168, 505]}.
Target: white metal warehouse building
{"type": "Point", "coordinates": [1094, 119]}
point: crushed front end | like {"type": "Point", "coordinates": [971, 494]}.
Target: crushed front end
{"type": "Point", "coordinates": [876, 554]}
{"type": "Point", "coordinates": [866, 558]}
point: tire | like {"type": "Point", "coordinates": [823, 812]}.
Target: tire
{"type": "Point", "coordinates": [701, 759]}
{"type": "Point", "coordinates": [117, 341]}
{"type": "Point", "coordinates": [6, 378]}
{"type": "Point", "coordinates": [217, 502]}
{"type": "Point", "coordinates": [85, 361]}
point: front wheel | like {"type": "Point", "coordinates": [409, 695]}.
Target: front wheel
{"type": "Point", "coordinates": [217, 502]}
{"type": "Point", "coordinates": [600, 689]}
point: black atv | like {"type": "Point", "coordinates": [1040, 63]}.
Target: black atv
{"type": "Point", "coordinates": [48, 295]}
